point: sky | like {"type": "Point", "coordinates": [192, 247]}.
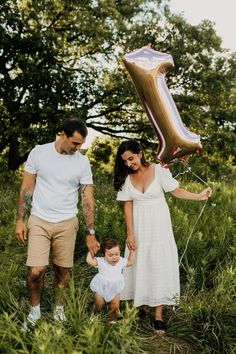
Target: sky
{"type": "Point", "coordinates": [221, 12]}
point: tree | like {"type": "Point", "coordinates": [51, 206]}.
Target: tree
{"type": "Point", "coordinates": [50, 65]}
{"type": "Point", "coordinates": [60, 57]}
{"type": "Point", "coordinates": [102, 153]}
{"type": "Point", "coordinates": [202, 84]}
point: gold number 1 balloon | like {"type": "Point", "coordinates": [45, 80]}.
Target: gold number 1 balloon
{"type": "Point", "coordinates": [147, 69]}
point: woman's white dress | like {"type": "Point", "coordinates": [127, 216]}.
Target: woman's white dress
{"type": "Point", "coordinates": [109, 281]}
{"type": "Point", "coordinates": [154, 278]}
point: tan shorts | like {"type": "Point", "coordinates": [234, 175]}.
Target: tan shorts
{"type": "Point", "coordinates": [44, 236]}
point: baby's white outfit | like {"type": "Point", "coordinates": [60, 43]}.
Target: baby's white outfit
{"type": "Point", "coordinates": [109, 281]}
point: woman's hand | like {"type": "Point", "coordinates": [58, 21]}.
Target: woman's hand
{"type": "Point", "coordinates": [130, 242]}
{"type": "Point", "coordinates": [205, 194]}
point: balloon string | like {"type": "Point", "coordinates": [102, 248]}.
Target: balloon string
{"type": "Point", "coordinates": [188, 169]}
{"type": "Point", "coordinates": [200, 179]}
{"type": "Point", "coordinates": [190, 235]}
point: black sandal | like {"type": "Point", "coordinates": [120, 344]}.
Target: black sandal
{"type": "Point", "coordinates": [141, 313]}
{"type": "Point", "coordinates": [159, 326]}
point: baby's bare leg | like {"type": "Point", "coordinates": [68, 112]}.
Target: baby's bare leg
{"type": "Point", "coordinates": [114, 306]}
{"type": "Point", "coordinates": [98, 304]}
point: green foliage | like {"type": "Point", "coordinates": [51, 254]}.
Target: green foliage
{"type": "Point", "coordinates": [50, 65]}
{"type": "Point", "coordinates": [102, 152]}
{"type": "Point", "coordinates": [207, 307]}
{"type": "Point", "coordinates": [9, 192]}
{"type": "Point", "coordinates": [60, 57]}
{"type": "Point", "coordinates": [205, 316]}
{"type": "Point", "coordinates": [79, 335]}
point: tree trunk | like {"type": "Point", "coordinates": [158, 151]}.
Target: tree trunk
{"type": "Point", "coordinates": [13, 155]}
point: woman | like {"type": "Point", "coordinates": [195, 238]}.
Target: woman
{"type": "Point", "coordinates": [153, 280]}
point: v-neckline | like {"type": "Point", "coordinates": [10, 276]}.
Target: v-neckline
{"type": "Point", "coordinates": [147, 186]}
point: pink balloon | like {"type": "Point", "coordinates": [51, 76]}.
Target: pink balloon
{"type": "Point", "coordinates": [147, 69]}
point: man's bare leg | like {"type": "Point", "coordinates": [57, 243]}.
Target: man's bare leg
{"type": "Point", "coordinates": [35, 283]}
{"type": "Point", "coordinates": [61, 283]}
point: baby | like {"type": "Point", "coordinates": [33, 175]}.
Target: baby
{"type": "Point", "coordinates": [109, 281]}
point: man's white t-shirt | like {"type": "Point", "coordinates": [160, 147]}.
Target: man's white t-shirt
{"type": "Point", "coordinates": [59, 176]}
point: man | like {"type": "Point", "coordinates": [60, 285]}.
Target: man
{"type": "Point", "coordinates": [53, 174]}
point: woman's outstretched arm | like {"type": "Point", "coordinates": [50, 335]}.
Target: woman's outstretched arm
{"type": "Point", "coordinates": [184, 194]}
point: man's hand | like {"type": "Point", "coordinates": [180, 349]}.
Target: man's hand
{"type": "Point", "coordinates": [92, 244]}
{"type": "Point", "coordinates": [21, 231]}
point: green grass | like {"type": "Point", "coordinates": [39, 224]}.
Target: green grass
{"type": "Point", "coordinates": [204, 321]}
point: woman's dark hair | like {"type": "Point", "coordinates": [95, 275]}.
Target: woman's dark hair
{"type": "Point", "coordinates": [107, 244]}
{"type": "Point", "coordinates": [121, 171]}
{"type": "Point", "coordinates": [72, 125]}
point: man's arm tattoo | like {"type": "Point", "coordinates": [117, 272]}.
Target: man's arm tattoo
{"type": "Point", "coordinates": [24, 203]}
{"type": "Point", "coordinates": [87, 206]}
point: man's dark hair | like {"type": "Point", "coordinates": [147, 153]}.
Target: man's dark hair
{"type": "Point", "coordinates": [72, 125]}
{"type": "Point", "coordinates": [107, 244]}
